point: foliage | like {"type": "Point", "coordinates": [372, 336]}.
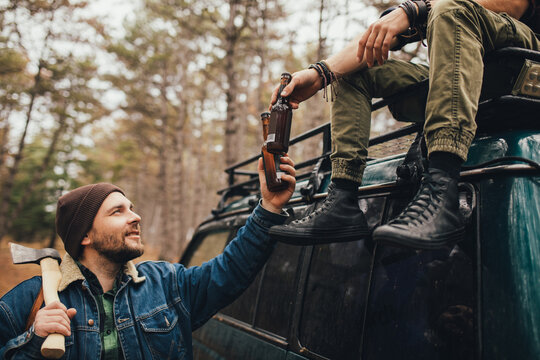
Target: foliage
{"type": "Point", "coordinates": [50, 93]}
{"type": "Point", "coordinates": [160, 110]}
{"type": "Point", "coordinates": [38, 215]}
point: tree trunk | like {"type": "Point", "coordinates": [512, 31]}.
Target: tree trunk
{"type": "Point", "coordinates": [4, 133]}
{"type": "Point", "coordinates": [231, 121]}
{"type": "Point", "coordinates": [164, 231]}
{"type": "Point", "coordinates": [316, 104]}
{"type": "Point", "coordinates": [321, 49]}
{"type": "Point", "coordinates": [179, 202]}
{"type": "Point", "coordinates": [262, 52]}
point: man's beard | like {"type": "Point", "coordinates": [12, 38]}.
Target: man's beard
{"type": "Point", "coordinates": [114, 248]}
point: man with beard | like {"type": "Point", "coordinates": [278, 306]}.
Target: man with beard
{"type": "Point", "coordinates": [112, 309]}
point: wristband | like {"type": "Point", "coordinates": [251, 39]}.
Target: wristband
{"type": "Point", "coordinates": [328, 77]}
{"type": "Point", "coordinates": [410, 11]}
{"type": "Point", "coordinates": [417, 11]}
{"type": "Point", "coordinates": [424, 7]}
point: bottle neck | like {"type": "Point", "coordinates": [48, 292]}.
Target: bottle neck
{"type": "Point", "coordinates": [265, 129]}
{"type": "Point", "coordinates": [282, 99]}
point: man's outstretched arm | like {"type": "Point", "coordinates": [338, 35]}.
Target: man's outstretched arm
{"type": "Point", "coordinates": [211, 286]}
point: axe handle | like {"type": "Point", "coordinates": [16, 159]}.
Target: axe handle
{"type": "Point", "coordinates": [54, 345]}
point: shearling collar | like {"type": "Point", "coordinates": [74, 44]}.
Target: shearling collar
{"type": "Point", "coordinates": [71, 272]}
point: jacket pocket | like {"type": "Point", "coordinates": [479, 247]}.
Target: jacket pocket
{"type": "Point", "coordinates": [162, 334]}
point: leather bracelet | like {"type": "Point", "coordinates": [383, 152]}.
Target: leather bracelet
{"type": "Point", "coordinates": [331, 78]}
{"type": "Point", "coordinates": [422, 11]}
{"type": "Point", "coordinates": [322, 76]}
{"type": "Point", "coordinates": [410, 11]}
{"type": "Point", "coordinates": [328, 74]}
{"type": "Point", "coordinates": [424, 7]}
{"type": "Point", "coordinates": [417, 11]}
{"type": "Point", "coordinates": [319, 71]}
{"type": "Point", "coordinates": [327, 78]}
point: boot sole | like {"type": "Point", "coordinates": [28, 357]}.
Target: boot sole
{"type": "Point", "coordinates": [320, 236]}
{"type": "Point", "coordinates": [433, 243]}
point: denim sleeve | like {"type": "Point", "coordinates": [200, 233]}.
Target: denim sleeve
{"type": "Point", "coordinates": [15, 342]}
{"type": "Point", "coordinates": [215, 284]}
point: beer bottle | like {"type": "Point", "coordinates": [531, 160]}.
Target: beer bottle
{"type": "Point", "coordinates": [280, 121]}
{"type": "Point", "coordinates": [271, 162]}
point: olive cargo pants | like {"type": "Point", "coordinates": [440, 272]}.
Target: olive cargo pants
{"type": "Point", "coordinates": [459, 33]}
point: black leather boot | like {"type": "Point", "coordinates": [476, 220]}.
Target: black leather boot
{"type": "Point", "coordinates": [431, 220]}
{"type": "Point", "coordinates": [339, 218]}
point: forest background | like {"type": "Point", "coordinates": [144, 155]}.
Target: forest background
{"type": "Point", "coordinates": [158, 97]}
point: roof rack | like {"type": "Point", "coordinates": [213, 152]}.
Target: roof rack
{"type": "Point", "coordinates": [509, 59]}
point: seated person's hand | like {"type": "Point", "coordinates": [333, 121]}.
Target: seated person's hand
{"type": "Point", "coordinates": [304, 84]}
{"type": "Point", "coordinates": [376, 42]}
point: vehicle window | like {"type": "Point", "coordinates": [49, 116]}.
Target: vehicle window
{"type": "Point", "coordinates": [243, 308]}
{"type": "Point", "coordinates": [334, 302]}
{"type": "Point", "coordinates": [421, 303]}
{"type": "Point", "coordinates": [210, 246]}
{"type": "Point", "coordinates": [278, 290]}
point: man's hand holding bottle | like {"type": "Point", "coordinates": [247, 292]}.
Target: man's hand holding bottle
{"type": "Point", "coordinates": [274, 201]}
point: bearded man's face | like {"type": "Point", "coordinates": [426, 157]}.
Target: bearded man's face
{"type": "Point", "coordinates": [115, 233]}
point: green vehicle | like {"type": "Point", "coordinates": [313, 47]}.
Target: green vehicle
{"type": "Point", "coordinates": [479, 299]}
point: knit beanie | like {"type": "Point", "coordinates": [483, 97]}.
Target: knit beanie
{"type": "Point", "coordinates": [76, 211]}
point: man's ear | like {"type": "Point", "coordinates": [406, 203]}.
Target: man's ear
{"type": "Point", "coordinates": [86, 240]}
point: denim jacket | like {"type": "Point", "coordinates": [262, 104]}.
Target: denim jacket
{"type": "Point", "coordinates": [157, 306]}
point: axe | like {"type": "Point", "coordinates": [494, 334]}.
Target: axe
{"type": "Point", "coordinates": [54, 345]}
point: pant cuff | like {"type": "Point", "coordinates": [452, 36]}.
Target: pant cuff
{"type": "Point", "coordinates": [342, 169]}
{"type": "Point", "coordinates": [450, 140]}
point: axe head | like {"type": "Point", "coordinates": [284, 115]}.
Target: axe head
{"type": "Point", "coordinates": [24, 255]}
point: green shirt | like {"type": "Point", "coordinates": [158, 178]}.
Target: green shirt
{"type": "Point", "coordinates": [111, 349]}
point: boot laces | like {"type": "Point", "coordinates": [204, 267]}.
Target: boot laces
{"type": "Point", "coordinates": [329, 200]}
{"type": "Point", "coordinates": [419, 208]}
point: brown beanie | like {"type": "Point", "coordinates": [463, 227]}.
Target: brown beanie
{"type": "Point", "coordinates": [76, 211]}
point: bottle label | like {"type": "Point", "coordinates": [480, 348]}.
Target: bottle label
{"type": "Point", "coordinates": [271, 137]}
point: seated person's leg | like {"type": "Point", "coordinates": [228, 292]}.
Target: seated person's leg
{"type": "Point", "coordinates": [339, 217]}
{"type": "Point", "coordinates": [351, 112]}
{"type": "Point", "coordinates": [459, 33]}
